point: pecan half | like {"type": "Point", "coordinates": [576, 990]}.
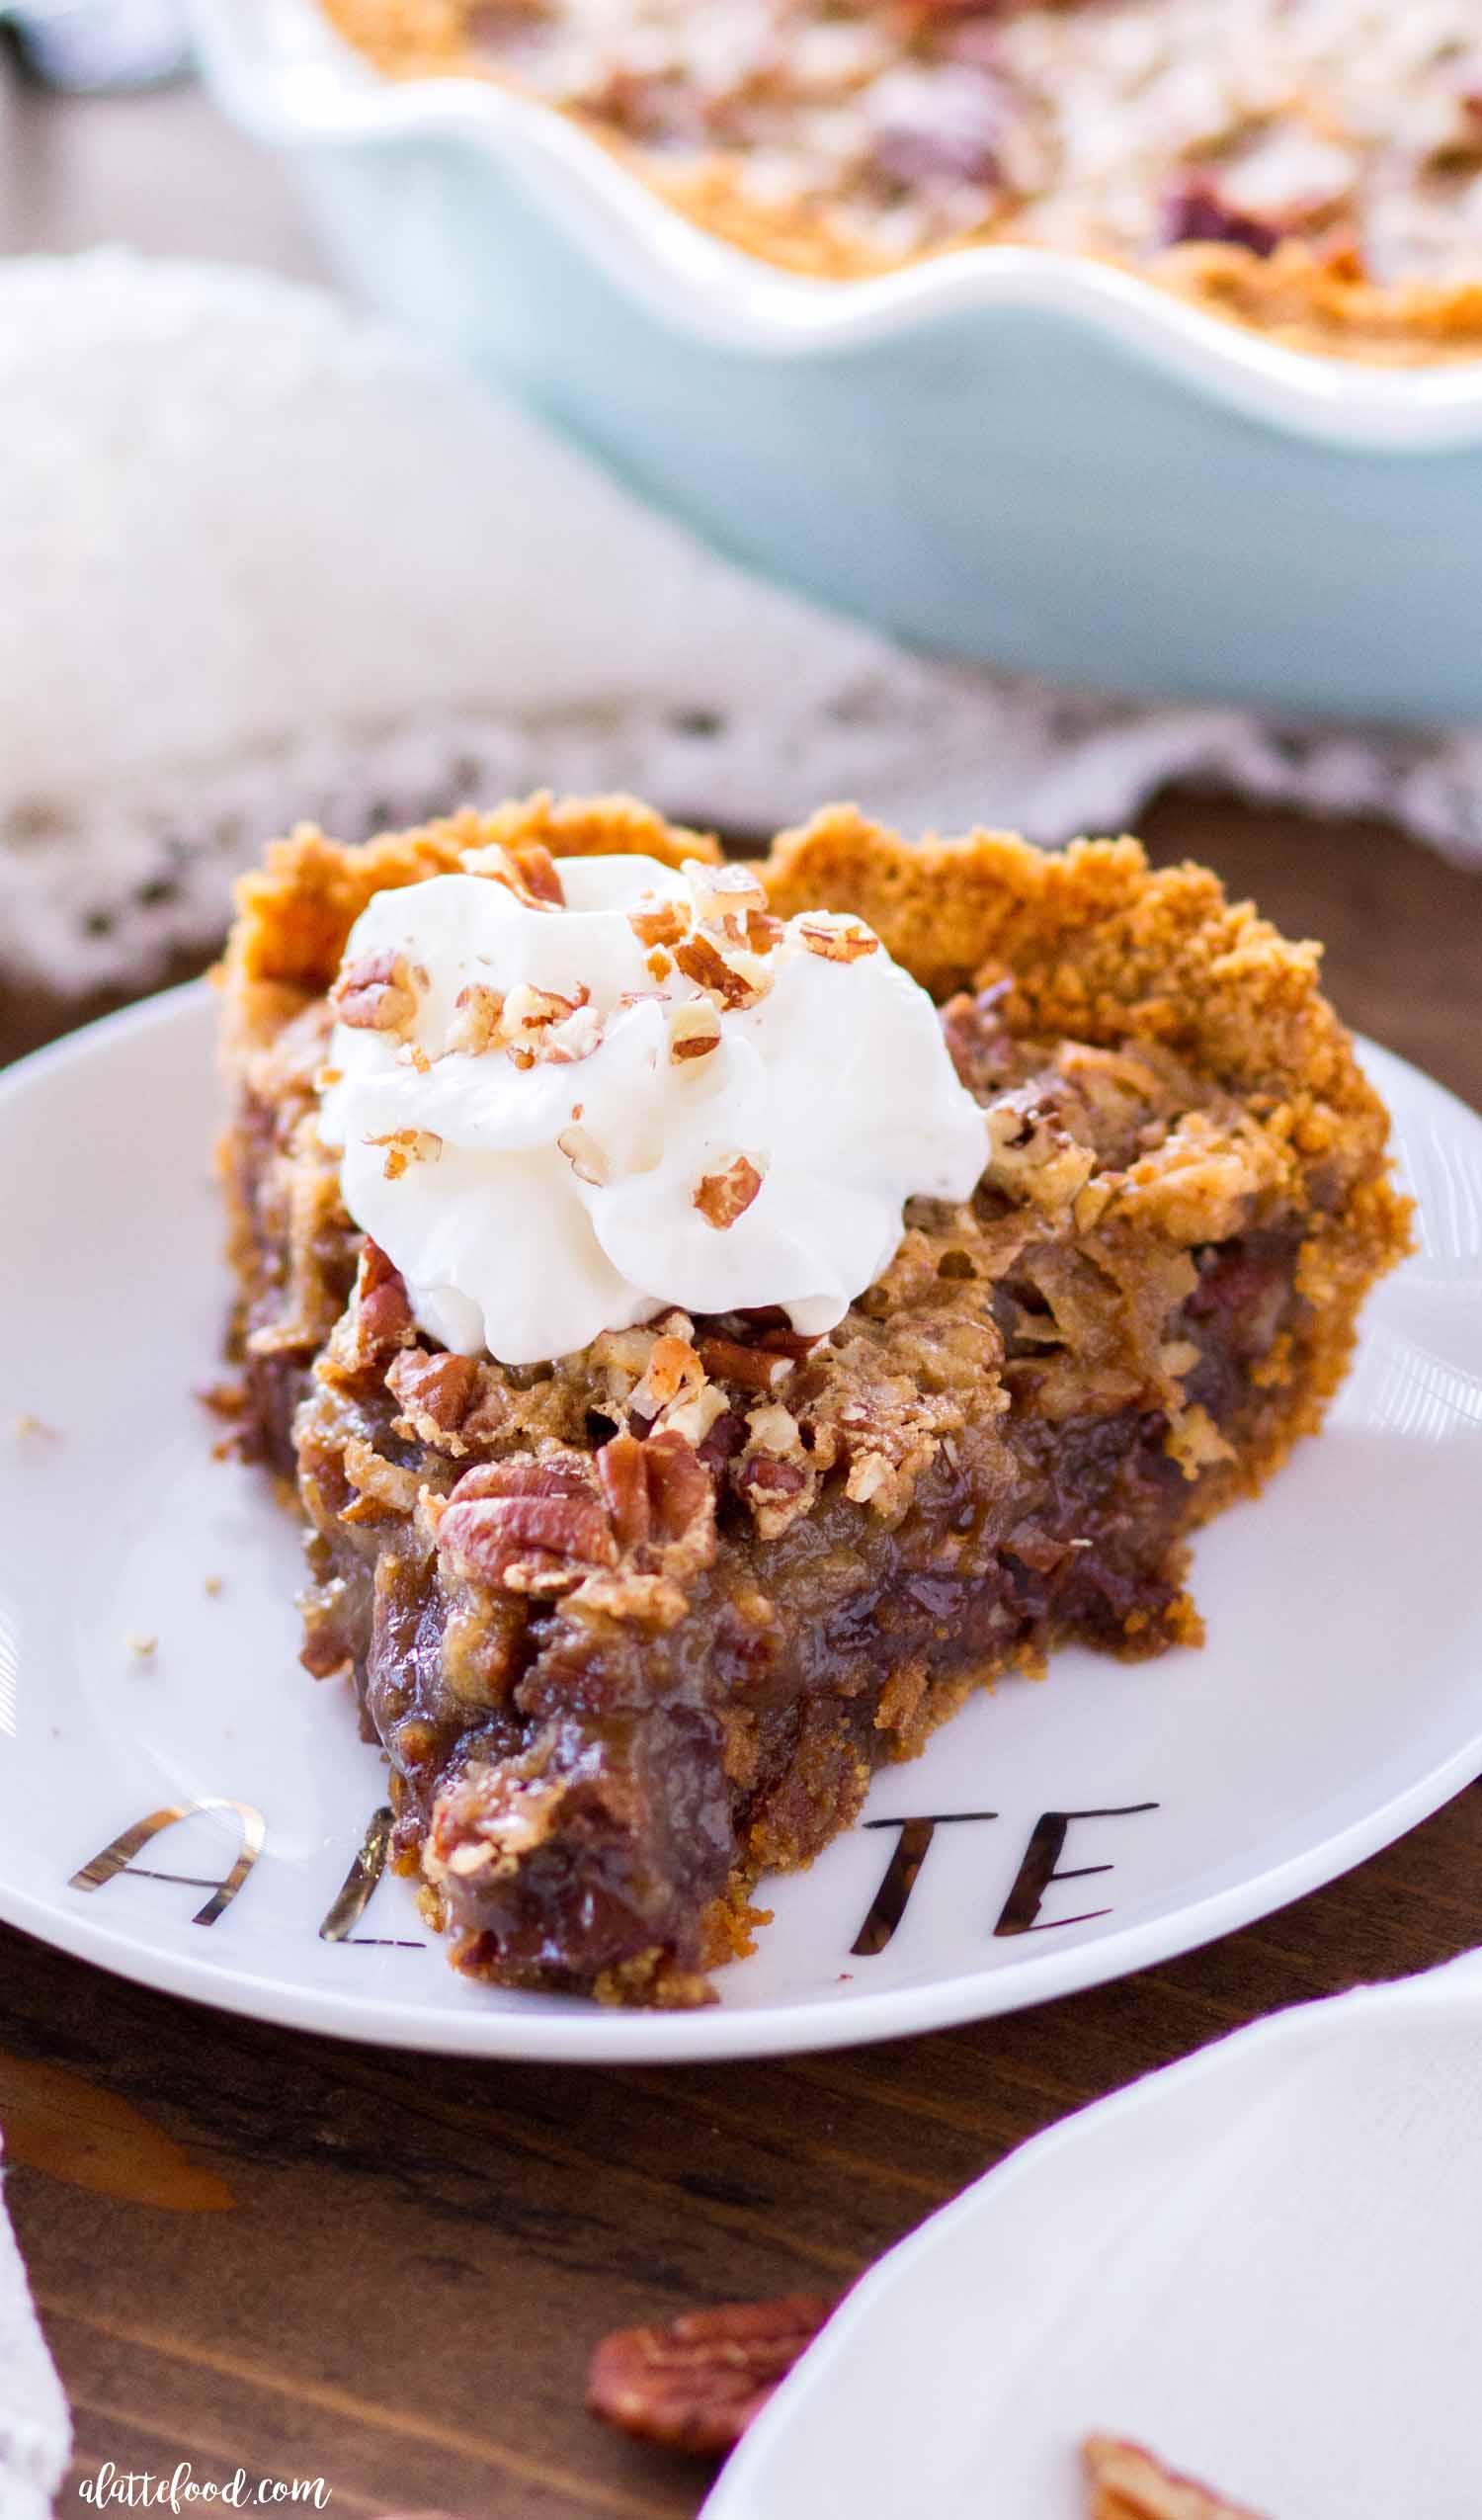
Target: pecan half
{"type": "Point", "coordinates": [530, 1526]}
{"type": "Point", "coordinates": [673, 1372]}
{"type": "Point", "coordinates": [376, 994]}
{"type": "Point", "coordinates": [697, 2381]}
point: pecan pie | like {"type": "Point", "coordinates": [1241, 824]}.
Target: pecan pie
{"type": "Point", "coordinates": [1312, 167]}
{"type": "Point", "coordinates": [637, 1623]}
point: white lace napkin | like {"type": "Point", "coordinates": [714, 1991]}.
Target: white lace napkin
{"type": "Point", "coordinates": [34, 2433]}
{"type": "Point", "coordinates": [259, 560]}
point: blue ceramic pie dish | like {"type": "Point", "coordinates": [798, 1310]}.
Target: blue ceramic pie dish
{"type": "Point", "coordinates": [1004, 454]}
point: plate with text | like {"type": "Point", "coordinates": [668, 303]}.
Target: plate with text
{"type": "Point", "coordinates": [179, 1801]}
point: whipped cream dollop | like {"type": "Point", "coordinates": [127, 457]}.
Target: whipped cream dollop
{"type": "Point", "coordinates": [572, 1094]}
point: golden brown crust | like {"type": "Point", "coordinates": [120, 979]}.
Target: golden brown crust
{"type": "Point", "coordinates": [1100, 948]}
{"type": "Point", "coordinates": [294, 914]}
{"type": "Point", "coordinates": [1105, 949]}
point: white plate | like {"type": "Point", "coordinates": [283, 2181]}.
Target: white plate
{"type": "Point", "coordinates": [1338, 1700]}
{"type": "Point", "coordinates": [1262, 2264]}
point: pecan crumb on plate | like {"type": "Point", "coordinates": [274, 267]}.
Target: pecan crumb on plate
{"type": "Point", "coordinates": [1127, 2483]}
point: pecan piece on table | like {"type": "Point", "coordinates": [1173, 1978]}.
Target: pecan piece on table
{"type": "Point", "coordinates": [696, 2383]}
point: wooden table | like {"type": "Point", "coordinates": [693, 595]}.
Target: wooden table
{"type": "Point", "coordinates": [261, 2250]}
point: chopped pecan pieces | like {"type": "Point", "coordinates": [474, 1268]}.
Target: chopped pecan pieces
{"type": "Point", "coordinates": [1128, 2484]}
{"type": "Point", "coordinates": [697, 2381]}
{"type": "Point", "coordinates": [540, 1025]}
{"type": "Point", "coordinates": [1196, 213]}
{"type": "Point", "coordinates": [693, 1029]}
{"type": "Point", "coordinates": [725, 899]}
{"type": "Point", "coordinates": [376, 1319]}
{"type": "Point", "coordinates": [637, 1513]}
{"type": "Point", "coordinates": [721, 1197]}
{"type": "Point", "coordinates": [406, 1146]}
{"type": "Point", "coordinates": [435, 1393]}
{"type": "Point", "coordinates": [530, 871]}
{"type": "Point", "coordinates": [376, 995]}
{"type": "Point", "coordinates": [835, 937]}
{"type": "Point", "coordinates": [478, 1012]}
{"type": "Point", "coordinates": [738, 980]}
{"type": "Point", "coordinates": [755, 1368]}
{"type": "Point", "coordinates": [656, 921]}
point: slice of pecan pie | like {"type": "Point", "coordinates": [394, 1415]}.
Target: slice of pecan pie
{"type": "Point", "coordinates": [636, 1622]}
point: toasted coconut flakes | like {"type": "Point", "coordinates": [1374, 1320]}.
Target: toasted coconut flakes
{"type": "Point", "coordinates": [407, 1147]}
{"type": "Point", "coordinates": [693, 1029]}
{"type": "Point", "coordinates": [835, 937]}
{"type": "Point", "coordinates": [26, 1425]}
{"type": "Point", "coordinates": [211, 1584]}
{"type": "Point", "coordinates": [721, 1197]}
{"type": "Point", "coordinates": [141, 1648]}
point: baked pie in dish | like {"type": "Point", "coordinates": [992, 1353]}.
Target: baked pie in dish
{"type": "Point", "coordinates": [719, 1314]}
{"type": "Point", "coordinates": [1312, 167]}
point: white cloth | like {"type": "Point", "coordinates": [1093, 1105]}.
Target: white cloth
{"type": "Point", "coordinates": [1262, 2264]}
{"type": "Point", "coordinates": [261, 562]}
{"type": "Point", "coordinates": [35, 2432]}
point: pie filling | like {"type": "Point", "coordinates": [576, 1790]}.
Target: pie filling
{"type": "Point", "coordinates": [635, 1625]}
{"type": "Point", "coordinates": [1314, 166]}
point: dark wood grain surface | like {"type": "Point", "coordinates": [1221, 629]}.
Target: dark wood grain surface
{"type": "Point", "coordinates": [263, 2250]}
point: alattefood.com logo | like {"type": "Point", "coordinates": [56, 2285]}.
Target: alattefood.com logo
{"type": "Point", "coordinates": [140, 2490]}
